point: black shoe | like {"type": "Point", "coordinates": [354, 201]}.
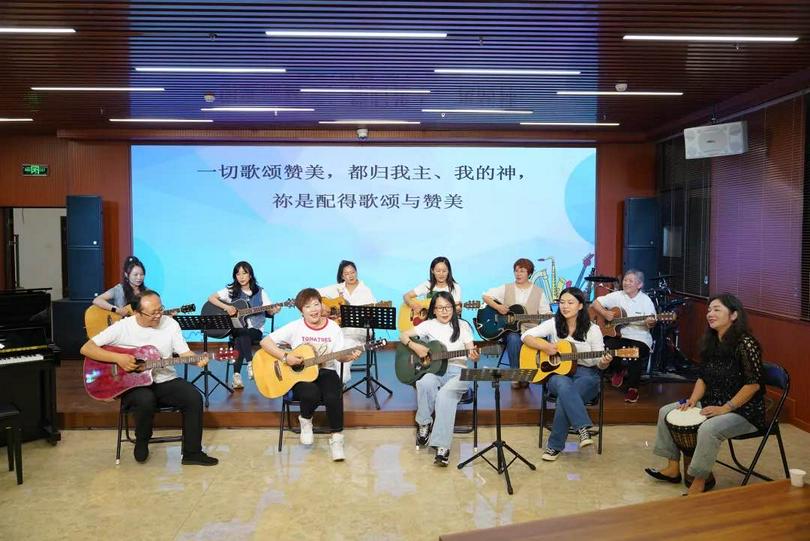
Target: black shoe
{"type": "Point", "coordinates": [652, 472]}
{"type": "Point", "coordinates": [710, 483]}
{"type": "Point", "coordinates": [442, 457]}
{"type": "Point", "coordinates": [199, 459]}
{"type": "Point", "coordinates": [141, 452]}
{"type": "Point", "coordinates": [423, 435]}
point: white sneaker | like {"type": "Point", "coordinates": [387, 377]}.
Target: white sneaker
{"type": "Point", "coordinates": [250, 370]}
{"type": "Point", "coordinates": [307, 436]}
{"type": "Point", "coordinates": [237, 381]}
{"type": "Point", "coordinates": [336, 447]}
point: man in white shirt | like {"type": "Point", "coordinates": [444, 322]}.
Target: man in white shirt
{"type": "Point", "coordinates": [150, 327]}
{"type": "Point", "coordinates": [633, 302]}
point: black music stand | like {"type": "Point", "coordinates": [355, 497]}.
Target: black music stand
{"type": "Point", "coordinates": [204, 323]}
{"type": "Point", "coordinates": [369, 318]}
{"type": "Point", "coordinates": [496, 375]}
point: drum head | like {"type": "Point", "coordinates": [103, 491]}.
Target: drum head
{"type": "Point", "coordinates": [689, 417]}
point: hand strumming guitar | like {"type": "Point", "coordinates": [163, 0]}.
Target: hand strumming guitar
{"type": "Point", "coordinates": [127, 362]}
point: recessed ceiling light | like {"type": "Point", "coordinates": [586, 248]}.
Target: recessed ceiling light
{"type": "Point", "coordinates": [569, 123]}
{"type": "Point", "coordinates": [99, 88]}
{"type": "Point", "coordinates": [732, 39]}
{"type": "Point", "coordinates": [352, 34]}
{"type": "Point", "coordinates": [614, 93]}
{"type": "Point", "coordinates": [208, 70]}
{"type": "Point", "coordinates": [481, 111]}
{"type": "Point", "coordinates": [7, 119]}
{"type": "Point", "coordinates": [365, 91]}
{"type": "Point", "coordinates": [160, 120]}
{"type": "Point", "coordinates": [258, 109]}
{"type": "Point", "coordinates": [35, 30]}
{"type": "Point", "coordinates": [368, 122]}
{"type": "Point", "coordinates": [475, 71]}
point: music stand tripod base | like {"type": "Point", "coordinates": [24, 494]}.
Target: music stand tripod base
{"type": "Point", "coordinates": [204, 323]}
{"type": "Point", "coordinates": [369, 318]}
{"type": "Point", "coordinates": [496, 375]}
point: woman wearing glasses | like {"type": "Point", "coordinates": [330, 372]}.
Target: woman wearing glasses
{"type": "Point", "coordinates": [438, 396]}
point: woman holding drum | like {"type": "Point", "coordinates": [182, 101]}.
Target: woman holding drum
{"type": "Point", "coordinates": [725, 402]}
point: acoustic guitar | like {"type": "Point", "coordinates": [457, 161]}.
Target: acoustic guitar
{"type": "Point", "coordinates": [105, 381]}
{"type": "Point", "coordinates": [409, 318]}
{"type": "Point", "coordinates": [491, 324]}
{"type": "Point", "coordinates": [410, 367]}
{"type": "Point", "coordinates": [612, 328]}
{"type": "Point", "coordinates": [274, 377]}
{"type": "Point", "coordinates": [243, 310]}
{"type": "Point", "coordinates": [333, 304]}
{"type": "Point", "coordinates": [97, 319]}
{"type": "Point", "coordinates": [565, 361]}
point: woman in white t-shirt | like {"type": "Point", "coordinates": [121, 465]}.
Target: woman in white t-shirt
{"type": "Point", "coordinates": [440, 394]}
{"type": "Point", "coordinates": [570, 323]}
{"type": "Point", "coordinates": [125, 292]}
{"type": "Point", "coordinates": [354, 291]}
{"type": "Point", "coordinates": [441, 279]}
{"type": "Point", "coordinates": [244, 286]}
{"type": "Point", "coordinates": [324, 336]}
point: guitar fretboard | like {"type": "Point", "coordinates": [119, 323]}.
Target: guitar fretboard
{"type": "Point", "coordinates": [171, 361]}
{"type": "Point", "coordinates": [332, 356]}
{"type": "Point", "coordinates": [463, 353]}
{"type": "Point", "coordinates": [529, 317]}
{"type": "Point", "coordinates": [587, 355]}
{"type": "Point", "coordinates": [257, 309]}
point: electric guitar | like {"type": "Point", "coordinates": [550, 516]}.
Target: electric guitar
{"type": "Point", "coordinates": [243, 309]}
{"type": "Point", "coordinates": [565, 361]}
{"type": "Point", "coordinates": [410, 367]}
{"type": "Point", "coordinates": [491, 324]}
{"type": "Point", "coordinates": [97, 319]}
{"type": "Point", "coordinates": [274, 377]}
{"type": "Point", "coordinates": [105, 381]}
{"type": "Point", "coordinates": [333, 304]}
{"type": "Point", "coordinates": [620, 318]}
{"type": "Point", "coordinates": [409, 318]}
{"type": "Point", "coordinates": [586, 261]}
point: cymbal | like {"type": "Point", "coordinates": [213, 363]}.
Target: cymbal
{"type": "Point", "coordinates": [601, 279]}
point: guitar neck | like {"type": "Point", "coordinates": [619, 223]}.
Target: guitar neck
{"type": "Point", "coordinates": [171, 361]}
{"type": "Point", "coordinates": [332, 356]}
{"type": "Point", "coordinates": [587, 355]}
{"type": "Point", "coordinates": [532, 317]}
{"type": "Point", "coordinates": [256, 309]}
{"type": "Point", "coordinates": [462, 353]}
{"type": "Point", "coordinates": [629, 319]}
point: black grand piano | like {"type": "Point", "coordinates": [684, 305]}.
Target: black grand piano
{"type": "Point", "coordinates": [28, 362]}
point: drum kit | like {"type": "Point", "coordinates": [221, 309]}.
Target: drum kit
{"type": "Point", "coordinates": [683, 426]}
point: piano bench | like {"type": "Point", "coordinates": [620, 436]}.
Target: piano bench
{"type": "Point", "coordinates": [10, 420]}
{"type": "Point", "coordinates": [123, 428]}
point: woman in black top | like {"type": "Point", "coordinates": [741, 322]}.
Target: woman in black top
{"type": "Point", "coordinates": [729, 391]}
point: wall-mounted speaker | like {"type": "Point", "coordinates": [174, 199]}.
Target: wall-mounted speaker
{"type": "Point", "coordinates": [85, 246]}
{"type": "Point", "coordinates": [716, 140]}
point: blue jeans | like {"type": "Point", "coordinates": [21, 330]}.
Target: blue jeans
{"type": "Point", "coordinates": [513, 343]}
{"type": "Point", "coordinates": [711, 434]}
{"type": "Point", "coordinates": [440, 394]}
{"type": "Point", "coordinates": [572, 393]}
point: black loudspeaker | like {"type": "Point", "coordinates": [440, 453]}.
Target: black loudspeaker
{"type": "Point", "coordinates": [642, 233]}
{"type": "Point", "coordinates": [68, 325]}
{"type": "Point", "coordinates": [85, 246]}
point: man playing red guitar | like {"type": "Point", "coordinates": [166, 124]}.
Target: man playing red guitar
{"type": "Point", "coordinates": [150, 327]}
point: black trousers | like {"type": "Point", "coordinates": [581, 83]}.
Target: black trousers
{"type": "Point", "coordinates": [243, 343]}
{"type": "Point", "coordinates": [327, 389]}
{"type": "Point", "coordinates": [144, 401]}
{"type": "Point", "coordinates": [634, 366]}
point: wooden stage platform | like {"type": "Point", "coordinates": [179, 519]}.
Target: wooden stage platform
{"type": "Point", "coordinates": [248, 408]}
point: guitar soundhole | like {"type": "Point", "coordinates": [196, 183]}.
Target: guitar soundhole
{"type": "Point", "coordinates": [298, 367]}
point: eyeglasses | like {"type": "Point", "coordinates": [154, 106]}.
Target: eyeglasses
{"type": "Point", "coordinates": [155, 314]}
{"type": "Point", "coordinates": [447, 308]}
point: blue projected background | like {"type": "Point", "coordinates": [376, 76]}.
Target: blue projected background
{"type": "Point", "coordinates": [294, 212]}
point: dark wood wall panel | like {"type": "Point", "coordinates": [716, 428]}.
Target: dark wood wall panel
{"type": "Point", "coordinates": [622, 170]}
{"type": "Point", "coordinates": [17, 190]}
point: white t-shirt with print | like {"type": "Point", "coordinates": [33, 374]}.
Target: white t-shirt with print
{"type": "Point", "coordinates": [593, 339]}
{"type": "Point", "coordinates": [433, 329]}
{"type": "Point", "coordinates": [640, 305]}
{"type": "Point", "coordinates": [326, 339]}
{"type": "Point", "coordinates": [166, 337]}
{"type": "Point", "coordinates": [423, 289]}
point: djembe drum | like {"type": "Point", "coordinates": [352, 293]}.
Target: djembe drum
{"type": "Point", "coordinates": [683, 426]}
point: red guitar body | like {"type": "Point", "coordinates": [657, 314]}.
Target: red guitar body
{"type": "Point", "coordinates": [105, 381]}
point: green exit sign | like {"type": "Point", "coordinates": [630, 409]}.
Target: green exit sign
{"type": "Point", "coordinates": [34, 170]}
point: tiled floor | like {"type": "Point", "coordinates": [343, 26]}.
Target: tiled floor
{"type": "Point", "coordinates": [384, 491]}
